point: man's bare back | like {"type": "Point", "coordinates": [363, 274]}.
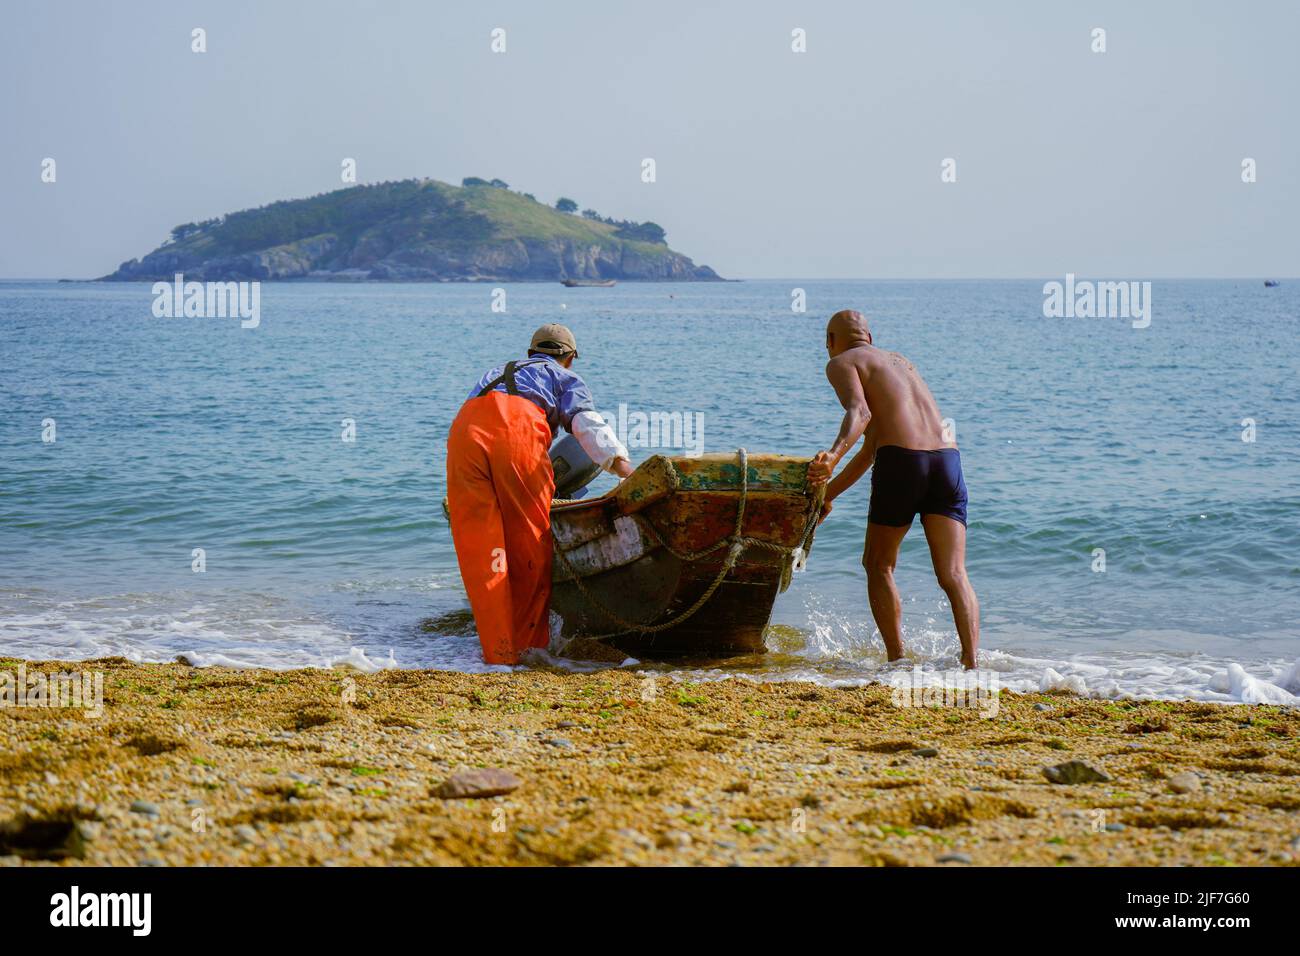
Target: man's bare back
{"type": "Point", "coordinates": [917, 471]}
{"type": "Point", "coordinates": [903, 412]}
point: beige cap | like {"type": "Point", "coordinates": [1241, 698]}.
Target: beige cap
{"type": "Point", "coordinates": [554, 339]}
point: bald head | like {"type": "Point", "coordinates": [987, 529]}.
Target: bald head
{"type": "Point", "coordinates": [846, 329]}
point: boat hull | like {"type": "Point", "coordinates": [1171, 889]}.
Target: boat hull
{"type": "Point", "coordinates": [631, 568]}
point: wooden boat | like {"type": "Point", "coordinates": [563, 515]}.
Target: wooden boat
{"type": "Point", "coordinates": [584, 283]}
{"type": "Point", "coordinates": [658, 567]}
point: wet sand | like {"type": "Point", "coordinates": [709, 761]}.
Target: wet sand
{"type": "Point", "coordinates": [211, 766]}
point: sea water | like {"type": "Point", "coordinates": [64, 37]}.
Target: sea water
{"type": "Point", "coordinates": [270, 496]}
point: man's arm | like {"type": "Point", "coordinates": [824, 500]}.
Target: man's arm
{"type": "Point", "coordinates": [850, 473]}
{"type": "Point", "coordinates": [857, 466]}
{"type": "Point", "coordinates": [847, 382]}
{"type": "Point", "coordinates": [578, 414]}
{"type": "Point", "coordinates": [600, 442]}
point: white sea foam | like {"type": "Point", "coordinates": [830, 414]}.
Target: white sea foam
{"type": "Point", "coordinates": [243, 631]}
{"type": "Point", "coordinates": [1238, 685]}
{"type": "Point", "coordinates": [1154, 677]}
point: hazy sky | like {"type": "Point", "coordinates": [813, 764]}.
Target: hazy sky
{"type": "Point", "coordinates": [770, 163]}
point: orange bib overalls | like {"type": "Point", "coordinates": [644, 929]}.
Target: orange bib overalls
{"type": "Point", "coordinates": [499, 489]}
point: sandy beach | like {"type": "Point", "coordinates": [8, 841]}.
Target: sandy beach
{"type": "Point", "coordinates": [210, 766]}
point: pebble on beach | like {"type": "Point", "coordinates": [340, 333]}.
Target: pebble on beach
{"type": "Point", "coordinates": [1075, 771]}
{"type": "Point", "coordinates": [475, 784]}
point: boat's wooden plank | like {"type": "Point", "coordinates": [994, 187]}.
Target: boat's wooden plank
{"type": "Point", "coordinates": [636, 592]}
{"type": "Point", "coordinates": [655, 480]}
{"type": "Point", "coordinates": [579, 522]}
{"type": "Point", "coordinates": [624, 544]}
{"type": "Point", "coordinates": [693, 520]}
{"type": "Point", "coordinates": [722, 473]}
{"type": "Point", "coordinates": [731, 623]}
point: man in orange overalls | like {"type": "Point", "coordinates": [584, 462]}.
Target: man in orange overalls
{"type": "Point", "coordinates": [500, 484]}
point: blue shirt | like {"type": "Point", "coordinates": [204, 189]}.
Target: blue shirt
{"type": "Point", "coordinates": [556, 390]}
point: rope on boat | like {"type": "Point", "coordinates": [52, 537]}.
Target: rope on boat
{"type": "Point", "coordinates": [738, 543]}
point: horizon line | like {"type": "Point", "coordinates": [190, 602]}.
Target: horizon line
{"type": "Point", "coordinates": [972, 278]}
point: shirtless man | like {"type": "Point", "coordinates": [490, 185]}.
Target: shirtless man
{"type": "Point", "coordinates": [887, 403]}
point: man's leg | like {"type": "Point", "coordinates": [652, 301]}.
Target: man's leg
{"type": "Point", "coordinates": [947, 540]}
{"type": "Point", "coordinates": [524, 485]}
{"type": "Point", "coordinates": [879, 558]}
{"type": "Point", "coordinates": [480, 541]}
{"type": "Point", "coordinates": [525, 501]}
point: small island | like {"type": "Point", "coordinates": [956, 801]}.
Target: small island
{"type": "Point", "coordinates": [416, 230]}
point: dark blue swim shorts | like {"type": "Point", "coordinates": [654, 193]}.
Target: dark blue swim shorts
{"type": "Point", "coordinates": [905, 482]}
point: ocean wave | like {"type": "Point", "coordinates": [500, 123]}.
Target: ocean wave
{"type": "Point", "coordinates": [259, 630]}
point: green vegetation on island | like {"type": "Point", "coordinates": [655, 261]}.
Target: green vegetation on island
{"type": "Point", "coordinates": [416, 229]}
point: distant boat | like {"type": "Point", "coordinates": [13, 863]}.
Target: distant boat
{"type": "Point", "coordinates": [580, 283]}
{"type": "Point", "coordinates": [1269, 283]}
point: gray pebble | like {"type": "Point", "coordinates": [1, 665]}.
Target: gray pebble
{"type": "Point", "coordinates": [637, 837]}
{"type": "Point", "coordinates": [1075, 771]}
{"type": "Point", "coordinates": [676, 838]}
{"type": "Point", "coordinates": [145, 807]}
{"type": "Point", "coordinates": [955, 858]}
{"type": "Point", "coordinates": [88, 829]}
